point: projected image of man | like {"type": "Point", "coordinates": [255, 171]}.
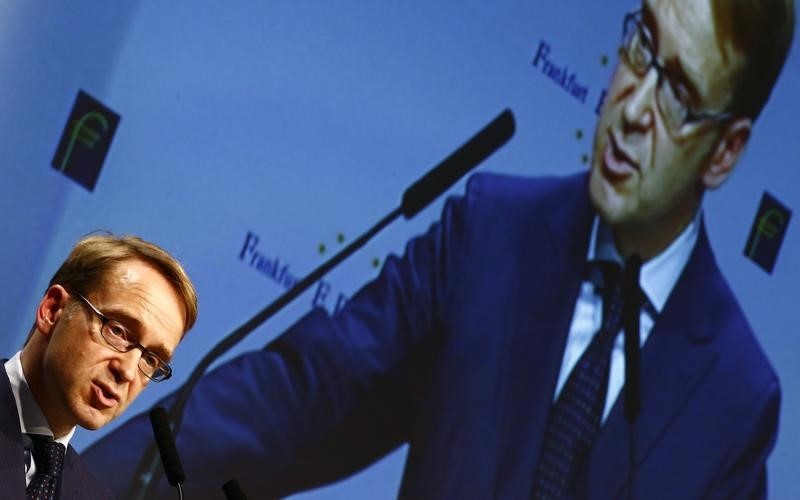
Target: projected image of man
{"type": "Point", "coordinates": [493, 347]}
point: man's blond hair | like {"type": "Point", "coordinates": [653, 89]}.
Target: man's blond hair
{"type": "Point", "coordinates": [761, 31]}
{"type": "Point", "coordinates": [94, 257]}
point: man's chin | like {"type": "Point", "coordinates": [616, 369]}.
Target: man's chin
{"type": "Point", "coordinates": [92, 418]}
{"type": "Point", "coordinates": [609, 204]}
{"type": "Point", "coordinates": [603, 195]}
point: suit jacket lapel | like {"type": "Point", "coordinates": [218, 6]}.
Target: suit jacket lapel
{"type": "Point", "coordinates": [12, 467]}
{"type": "Point", "coordinates": [70, 485]}
{"type": "Point", "coordinates": [675, 359]}
{"type": "Point", "coordinates": [12, 458]}
{"type": "Point", "coordinates": [558, 238]}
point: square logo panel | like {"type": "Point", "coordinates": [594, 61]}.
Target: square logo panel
{"type": "Point", "coordinates": [86, 139]}
{"type": "Point", "coordinates": [766, 235]}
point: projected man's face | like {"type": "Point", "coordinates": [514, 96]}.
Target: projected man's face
{"type": "Point", "coordinates": [84, 381]}
{"type": "Point", "coordinates": [661, 124]}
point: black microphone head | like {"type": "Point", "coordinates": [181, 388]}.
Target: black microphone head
{"type": "Point", "coordinates": [461, 161]}
{"type": "Point", "coordinates": [634, 263]}
{"type": "Point", "coordinates": [633, 300]}
{"type": "Point", "coordinates": [166, 446]}
{"type": "Point", "coordinates": [632, 291]}
{"type": "Point", "coordinates": [233, 491]}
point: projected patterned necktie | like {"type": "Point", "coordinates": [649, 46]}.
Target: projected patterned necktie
{"type": "Point", "coordinates": [48, 455]}
{"type": "Point", "coordinates": [575, 417]}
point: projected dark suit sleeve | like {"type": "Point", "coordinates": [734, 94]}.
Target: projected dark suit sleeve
{"type": "Point", "coordinates": [326, 398]}
{"type": "Point", "coordinates": [744, 475]}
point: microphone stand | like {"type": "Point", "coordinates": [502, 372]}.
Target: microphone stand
{"type": "Point", "coordinates": [632, 389]}
{"type": "Point", "coordinates": [165, 441]}
{"type": "Point", "coordinates": [415, 198]}
{"type": "Point", "coordinates": [233, 491]}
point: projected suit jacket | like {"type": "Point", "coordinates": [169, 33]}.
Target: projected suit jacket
{"type": "Point", "coordinates": [455, 349]}
{"type": "Point", "coordinates": [77, 482]}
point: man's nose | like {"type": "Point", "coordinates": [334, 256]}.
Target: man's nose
{"type": "Point", "coordinates": [125, 365]}
{"type": "Point", "coordinates": [638, 111]}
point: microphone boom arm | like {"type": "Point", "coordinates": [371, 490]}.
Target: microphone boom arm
{"type": "Point", "coordinates": [417, 196]}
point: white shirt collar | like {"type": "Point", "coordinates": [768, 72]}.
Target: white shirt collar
{"type": "Point", "coordinates": [31, 418]}
{"type": "Point", "coordinates": [659, 274]}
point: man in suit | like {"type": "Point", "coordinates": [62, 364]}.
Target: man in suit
{"type": "Point", "coordinates": [475, 347]}
{"type": "Point", "coordinates": [108, 324]}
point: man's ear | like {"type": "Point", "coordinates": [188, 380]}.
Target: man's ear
{"type": "Point", "coordinates": [50, 309]}
{"type": "Point", "coordinates": [728, 150]}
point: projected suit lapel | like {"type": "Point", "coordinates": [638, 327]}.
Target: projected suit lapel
{"type": "Point", "coordinates": [678, 355]}
{"type": "Point", "coordinates": [553, 280]}
{"type": "Point", "coordinates": [681, 334]}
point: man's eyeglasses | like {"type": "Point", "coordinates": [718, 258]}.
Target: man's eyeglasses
{"type": "Point", "coordinates": [118, 337]}
{"type": "Point", "coordinates": [672, 97]}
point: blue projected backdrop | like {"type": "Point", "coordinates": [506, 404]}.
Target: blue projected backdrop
{"type": "Point", "coordinates": [257, 138]}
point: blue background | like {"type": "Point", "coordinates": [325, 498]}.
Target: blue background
{"type": "Point", "coordinates": [299, 121]}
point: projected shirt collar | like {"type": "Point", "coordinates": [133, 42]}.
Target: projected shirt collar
{"type": "Point", "coordinates": [659, 274]}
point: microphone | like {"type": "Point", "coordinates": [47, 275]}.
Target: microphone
{"type": "Point", "coordinates": [166, 447]}
{"type": "Point", "coordinates": [415, 198]}
{"type": "Point", "coordinates": [630, 316]}
{"type": "Point", "coordinates": [631, 309]}
{"type": "Point", "coordinates": [461, 161]}
{"type": "Point", "coordinates": [233, 491]}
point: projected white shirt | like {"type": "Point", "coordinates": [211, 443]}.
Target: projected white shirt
{"type": "Point", "coordinates": [657, 279]}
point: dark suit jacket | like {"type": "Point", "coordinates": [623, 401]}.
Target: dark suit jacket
{"type": "Point", "coordinates": [77, 482]}
{"type": "Point", "coordinates": [455, 349]}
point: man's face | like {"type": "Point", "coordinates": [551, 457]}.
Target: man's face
{"type": "Point", "coordinates": [85, 380]}
{"type": "Point", "coordinates": [644, 176]}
